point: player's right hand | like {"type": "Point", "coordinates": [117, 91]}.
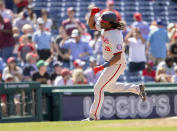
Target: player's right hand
{"type": "Point", "coordinates": [97, 69]}
{"type": "Point", "coordinates": [95, 10]}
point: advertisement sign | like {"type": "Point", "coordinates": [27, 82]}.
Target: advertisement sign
{"type": "Point", "coordinates": [121, 106]}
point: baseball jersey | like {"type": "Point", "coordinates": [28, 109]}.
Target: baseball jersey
{"type": "Point", "coordinates": [112, 42]}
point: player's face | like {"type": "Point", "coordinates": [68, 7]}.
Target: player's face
{"type": "Point", "coordinates": [105, 25]}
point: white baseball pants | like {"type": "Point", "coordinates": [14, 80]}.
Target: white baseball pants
{"type": "Point", "coordinates": [107, 82]}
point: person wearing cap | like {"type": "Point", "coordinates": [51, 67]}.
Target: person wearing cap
{"type": "Point", "coordinates": [79, 64]}
{"type": "Point", "coordinates": [89, 72]}
{"type": "Point", "coordinates": [22, 20]}
{"type": "Point", "coordinates": [172, 52]}
{"type": "Point", "coordinates": [115, 62]}
{"type": "Point", "coordinates": [42, 75]}
{"type": "Point", "coordinates": [78, 49]}
{"type": "Point", "coordinates": [12, 69]}
{"type": "Point", "coordinates": [47, 21]}
{"type": "Point", "coordinates": [7, 41]}
{"type": "Point", "coordinates": [43, 40]}
{"type": "Point", "coordinates": [149, 72]}
{"type": "Point", "coordinates": [30, 67]}
{"type": "Point", "coordinates": [6, 13]}
{"type": "Point", "coordinates": [71, 23]}
{"type": "Point", "coordinates": [57, 66]}
{"type": "Point", "coordinates": [110, 7]}
{"type": "Point", "coordinates": [141, 25]}
{"type": "Point", "coordinates": [64, 79]}
{"type": "Point", "coordinates": [157, 41]}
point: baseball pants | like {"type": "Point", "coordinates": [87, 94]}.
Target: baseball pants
{"type": "Point", "coordinates": [107, 82]}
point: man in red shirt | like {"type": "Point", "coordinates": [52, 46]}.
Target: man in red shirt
{"type": "Point", "coordinates": [7, 41]}
{"type": "Point", "coordinates": [148, 71]}
{"type": "Point", "coordinates": [110, 7]}
{"type": "Point", "coordinates": [71, 23]}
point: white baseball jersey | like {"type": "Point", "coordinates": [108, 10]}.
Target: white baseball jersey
{"type": "Point", "coordinates": [111, 44]}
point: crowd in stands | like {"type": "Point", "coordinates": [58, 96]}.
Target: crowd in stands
{"type": "Point", "coordinates": [30, 52]}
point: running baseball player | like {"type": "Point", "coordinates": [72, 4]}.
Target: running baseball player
{"type": "Point", "coordinates": [115, 64]}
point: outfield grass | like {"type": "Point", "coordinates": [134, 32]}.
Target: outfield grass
{"type": "Point", "coordinates": [111, 125]}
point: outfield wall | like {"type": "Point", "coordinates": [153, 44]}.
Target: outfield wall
{"type": "Point", "coordinates": [41, 102]}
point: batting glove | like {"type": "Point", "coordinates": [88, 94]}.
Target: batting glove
{"type": "Point", "coordinates": [94, 11]}
{"type": "Point", "coordinates": [98, 68]}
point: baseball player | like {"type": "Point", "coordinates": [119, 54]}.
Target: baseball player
{"type": "Point", "coordinates": [115, 61]}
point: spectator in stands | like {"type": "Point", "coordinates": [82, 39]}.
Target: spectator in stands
{"type": "Point", "coordinates": [5, 13]}
{"type": "Point", "coordinates": [16, 35]}
{"type": "Point", "coordinates": [126, 29]}
{"type": "Point", "coordinates": [174, 32]}
{"type": "Point", "coordinates": [78, 64]}
{"type": "Point", "coordinates": [78, 48]}
{"type": "Point", "coordinates": [32, 16]}
{"type": "Point", "coordinates": [7, 41]}
{"type": "Point", "coordinates": [171, 31]}
{"type": "Point", "coordinates": [149, 72]}
{"type": "Point", "coordinates": [27, 29]}
{"type": "Point", "coordinates": [110, 7]}
{"type": "Point", "coordinates": [153, 26]}
{"type": "Point", "coordinates": [22, 20]}
{"type": "Point", "coordinates": [42, 75]}
{"type": "Point", "coordinates": [85, 36]}
{"type": "Point", "coordinates": [168, 65]}
{"type": "Point", "coordinates": [137, 56]}
{"type": "Point", "coordinates": [174, 77]}
{"type": "Point", "coordinates": [161, 75]}
{"type": "Point", "coordinates": [8, 79]}
{"type": "Point", "coordinates": [78, 77]}
{"type": "Point", "coordinates": [64, 79]}
{"type": "Point", "coordinates": [12, 69]}
{"type": "Point", "coordinates": [47, 21]}
{"type": "Point", "coordinates": [71, 23]}
{"type": "Point", "coordinates": [90, 7]}
{"type": "Point", "coordinates": [157, 43]}
{"type": "Point", "coordinates": [24, 48]}
{"type": "Point", "coordinates": [21, 4]}
{"type": "Point", "coordinates": [63, 53]}
{"type": "Point", "coordinates": [2, 65]}
{"type": "Point", "coordinates": [30, 67]}
{"type": "Point", "coordinates": [141, 25]}
{"type": "Point", "coordinates": [89, 73]}
{"type": "Point", "coordinates": [172, 52]}
{"type": "Point", "coordinates": [42, 39]}
{"type": "Point", "coordinates": [57, 65]}
{"type": "Point", "coordinates": [96, 45]}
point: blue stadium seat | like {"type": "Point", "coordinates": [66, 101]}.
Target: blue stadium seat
{"type": "Point", "coordinates": [148, 79]}
{"type": "Point", "coordinates": [134, 77]}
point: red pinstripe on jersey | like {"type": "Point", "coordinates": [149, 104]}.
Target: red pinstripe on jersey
{"type": "Point", "coordinates": [102, 89]}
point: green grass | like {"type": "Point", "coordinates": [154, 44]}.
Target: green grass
{"type": "Point", "coordinates": [111, 125]}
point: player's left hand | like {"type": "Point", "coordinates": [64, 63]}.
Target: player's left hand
{"type": "Point", "coordinates": [97, 69]}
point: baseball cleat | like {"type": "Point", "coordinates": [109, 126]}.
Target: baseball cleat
{"type": "Point", "coordinates": [142, 93]}
{"type": "Point", "coordinates": [87, 119]}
